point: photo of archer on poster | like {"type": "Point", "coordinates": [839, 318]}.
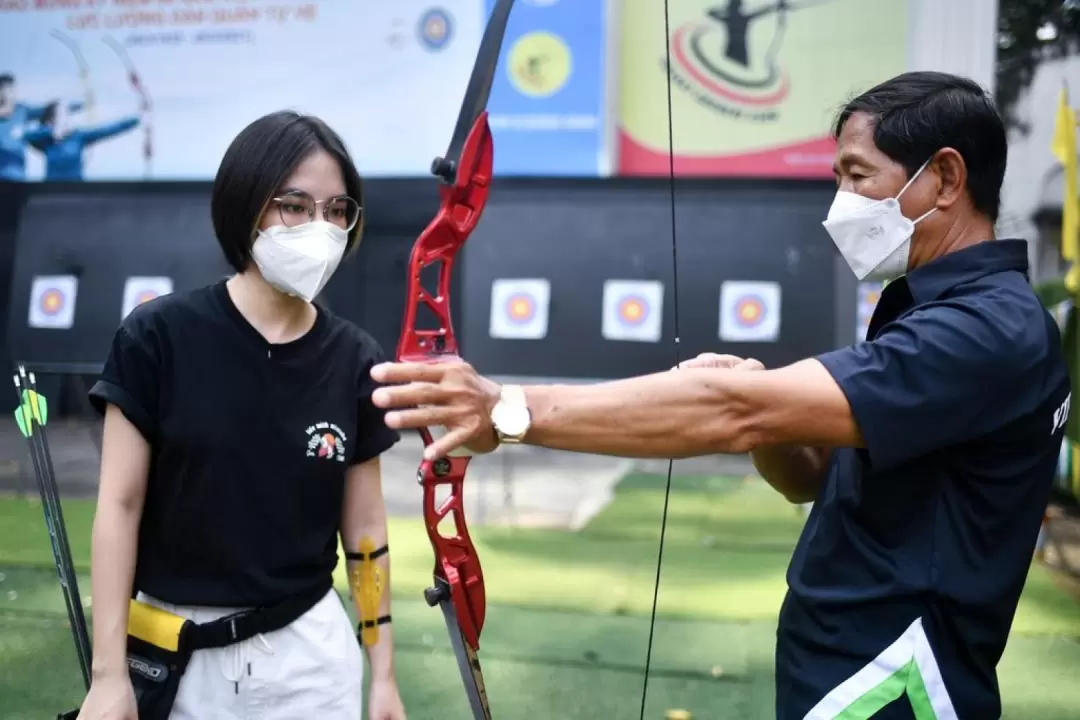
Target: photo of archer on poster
{"type": "Point", "coordinates": [754, 83]}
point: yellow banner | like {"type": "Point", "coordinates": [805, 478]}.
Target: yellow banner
{"type": "Point", "coordinates": [755, 83]}
{"type": "Point", "coordinates": [1063, 146]}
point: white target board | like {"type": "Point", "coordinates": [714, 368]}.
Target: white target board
{"type": "Point", "coordinates": [139, 289]}
{"type": "Point", "coordinates": [749, 311]}
{"type": "Point", "coordinates": [519, 309]}
{"type": "Point", "coordinates": [633, 310]}
{"type": "Point", "coordinates": [52, 302]}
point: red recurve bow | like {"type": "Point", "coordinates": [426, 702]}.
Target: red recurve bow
{"type": "Point", "coordinates": [464, 177]}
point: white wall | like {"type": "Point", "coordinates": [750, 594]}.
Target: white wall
{"type": "Point", "coordinates": [955, 36]}
{"type": "Point", "coordinates": [1030, 180]}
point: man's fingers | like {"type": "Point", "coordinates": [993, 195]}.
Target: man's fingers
{"type": "Point", "coordinates": [397, 373]}
{"type": "Point", "coordinates": [749, 364]}
{"type": "Point", "coordinates": [712, 360]}
{"type": "Point", "coordinates": [420, 417]}
{"type": "Point", "coordinates": [414, 393]}
{"type": "Point", "coordinates": [447, 443]}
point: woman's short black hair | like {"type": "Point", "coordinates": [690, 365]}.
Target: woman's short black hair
{"type": "Point", "coordinates": [258, 161]}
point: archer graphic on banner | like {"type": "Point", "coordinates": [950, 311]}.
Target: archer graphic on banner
{"type": "Point", "coordinates": [61, 139]}
{"type": "Point", "coordinates": [63, 142]}
{"type": "Point", "coordinates": [757, 79]}
{"type": "Point", "coordinates": [15, 119]}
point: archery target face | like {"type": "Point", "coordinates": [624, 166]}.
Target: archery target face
{"type": "Point", "coordinates": [435, 28]}
{"type": "Point", "coordinates": [749, 311]}
{"type": "Point", "coordinates": [140, 289]}
{"type": "Point", "coordinates": [868, 295]}
{"type": "Point", "coordinates": [52, 302]}
{"type": "Point", "coordinates": [519, 309]}
{"type": "Point", "coordinates": [633, 310]}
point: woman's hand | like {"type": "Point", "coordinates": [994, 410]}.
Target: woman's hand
{"type": "Point", "coordinates": [111, 697]}
{"type": "Point", "coordinates": [384, 701]}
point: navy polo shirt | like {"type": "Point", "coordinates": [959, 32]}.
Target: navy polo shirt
{"type": "Point", "coordinates": [904, 583]}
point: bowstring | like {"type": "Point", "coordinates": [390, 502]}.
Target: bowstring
{"type": "Point", "coordinates": [678, 359]}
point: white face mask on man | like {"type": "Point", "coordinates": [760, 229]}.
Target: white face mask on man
{"type": "Point", "coordinates": [299, 260]}
{"type": "Point", "coordinates": [873, 235]}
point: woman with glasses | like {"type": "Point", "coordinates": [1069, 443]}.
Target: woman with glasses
{"type": "Point", "coordinates": [240, 443]}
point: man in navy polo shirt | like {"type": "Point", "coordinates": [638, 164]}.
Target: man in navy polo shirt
{"type": "Point", "coordinates": [928, 450]}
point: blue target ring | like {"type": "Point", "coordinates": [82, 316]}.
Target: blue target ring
{"type": "Point", "coordinates": [633, 310]}
{"type": "Point", "coordinates": [749, 311]}
{"type": "Point", "coordinates": [52, 301]}
{"type": "Point", "coordinates": [520, 308]}
{"type": "Point", "coordinates": [436, 27]}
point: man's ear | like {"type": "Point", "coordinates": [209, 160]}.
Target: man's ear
{"type": "Point", "coordinates": [949, 166]}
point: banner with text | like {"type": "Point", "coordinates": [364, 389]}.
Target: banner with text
{"type": "Point", "coordinates": [754, 84]}
{"type": "Point", "coordinates": [157, 89]}
{"type": "Point", "coordinates": [547, 107]}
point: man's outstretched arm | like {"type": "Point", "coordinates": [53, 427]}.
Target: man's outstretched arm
{"type": "Point", "coordinates": [687, 413]}
{"type": "Point", "coordinates": [693, 412]}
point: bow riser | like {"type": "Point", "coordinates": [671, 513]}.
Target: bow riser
{"type": "Point", "coordinates": [461, 204]}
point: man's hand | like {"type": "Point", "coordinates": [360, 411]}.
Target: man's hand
{"type": "Point", "coordinates": [726, 362]}
{"type": "Point", "coordinates": [450, 393]}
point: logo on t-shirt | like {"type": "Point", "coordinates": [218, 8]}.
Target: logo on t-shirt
{"type": "Point", "coordinates": [326, 441]}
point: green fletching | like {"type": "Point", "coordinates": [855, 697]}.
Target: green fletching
{"type": "Point", "coordinates": [34, 409]}
{"type": "Point", "coordinates": [20, 418]}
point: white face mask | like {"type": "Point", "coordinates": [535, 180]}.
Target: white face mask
{"type": "Point", "coordinates": [873, 235]}
{"type": "Point", "coordinates": [299, 260]}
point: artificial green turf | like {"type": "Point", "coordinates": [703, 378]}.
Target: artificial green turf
{"type": "Point", "coordinates": [567, 623]}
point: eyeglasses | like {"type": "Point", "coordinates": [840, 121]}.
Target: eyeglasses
{"type": "Point", "coordinates": [298, 208]}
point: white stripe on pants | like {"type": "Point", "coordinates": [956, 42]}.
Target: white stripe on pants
{"type": "Point", "coordinates": [312, 668]}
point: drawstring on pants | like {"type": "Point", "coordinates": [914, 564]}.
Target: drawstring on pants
{"type": "Point", "coordinates": [236, 658]}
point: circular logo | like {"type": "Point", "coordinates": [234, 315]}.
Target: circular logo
{"type": "Point", "coordinates": [749, 311]}
{"type": "Point", "coordinates": [633, 310]}
{"type": "Point", "coordinates": [52, 301]}
{"type": "Point", "coordinates": [520, 308]}
{"type": "Point", "coordinates": [539, 64]}
{"type": "Point", "coordinates": [436, 27]}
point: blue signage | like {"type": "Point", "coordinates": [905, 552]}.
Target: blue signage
{"type": "Point", "coordinates": [546, 109]}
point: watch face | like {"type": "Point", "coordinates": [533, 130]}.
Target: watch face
{"type": "Point", "coordinates": [510, 420]}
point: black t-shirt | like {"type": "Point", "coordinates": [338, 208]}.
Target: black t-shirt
{"type": "Point", "coordinates": [906, 578]}
{"type": "Point", "coordinates": [250, 444]}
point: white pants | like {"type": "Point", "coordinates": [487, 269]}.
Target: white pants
{"type": "Point", "coordinates": [312, 668]}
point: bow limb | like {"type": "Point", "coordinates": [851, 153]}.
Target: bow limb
{"type": "Point", "coordinates": [145, 105]}
{"type": "Point", "coordinates": [464, 176]}
{"type": "Point", "coordinates": [89, 100]}
{"type": "Point", "coordinates": [678, 354]}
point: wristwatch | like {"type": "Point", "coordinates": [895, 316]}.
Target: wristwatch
{"type": "Point", "coordinates": [510, 416]}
